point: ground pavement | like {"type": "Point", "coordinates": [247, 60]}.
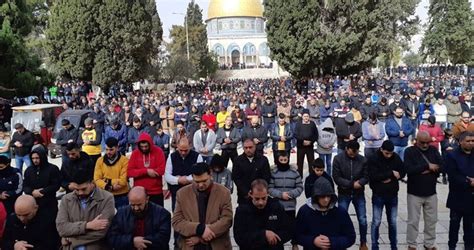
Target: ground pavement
{"type": "Point", "coordinates": [384, 243]}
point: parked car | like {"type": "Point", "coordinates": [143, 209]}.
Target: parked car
{"type": "Point", "coordinates": [76, 117]}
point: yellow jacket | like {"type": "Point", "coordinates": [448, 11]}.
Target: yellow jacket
{"type": "Point", "coordinates": [92, 136]}
{"type": "Point", "coordinates": [117, 173]}
{"type": "Point", "coordinates": [220, 118]}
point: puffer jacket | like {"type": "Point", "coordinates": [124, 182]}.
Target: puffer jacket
{"type": "Point", "coordinates": [120, 134]}
{"type": "Point", "coordinates": [348, 170]}
{"type": "Point", "coordinates": [286, 181]}
{"type": "Point", "coordinates": [327, 137]}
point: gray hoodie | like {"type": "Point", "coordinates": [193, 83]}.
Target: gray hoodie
{"type": "Point", "coordinates": [327, 137]}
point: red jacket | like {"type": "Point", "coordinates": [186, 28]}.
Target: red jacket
{"type": "Point", "coordinates": [434, 131]}
{"type": "Point", "coordinates": [138, 171]}
{"type": "Point", "coordinates": [3, 219]}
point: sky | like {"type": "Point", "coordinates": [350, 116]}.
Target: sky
{"type": "Point", "coordinates": [166, 8]}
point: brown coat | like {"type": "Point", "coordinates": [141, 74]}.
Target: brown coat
{"type": "Point", "coordinates": [218, 216]}
{"type": "Point", "coordinates": [459, 127]}
{"type": "Point", "coordinates": [167, 119]}
{"type": "Point", "coordinates": [71, 220]}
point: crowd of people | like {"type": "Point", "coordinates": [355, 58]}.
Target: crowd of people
{"type": "Point", "coordinates": [137, 148]}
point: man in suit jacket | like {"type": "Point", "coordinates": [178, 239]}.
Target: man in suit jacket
{"type": "Point", "coordinates": [203, 214]}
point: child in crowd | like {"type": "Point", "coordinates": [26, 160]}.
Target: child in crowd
{"type": "Point", "coordinates": [220, 174]}
{"type": "Point", "coordinates": [318, 171]}
{"type": "Point", "coordinates": [286, 185]}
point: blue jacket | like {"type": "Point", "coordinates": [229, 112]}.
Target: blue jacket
{"type": "Point", "coordinates": [161, 141]}
{"type": "Point", "coordinates": [157, 228]}
{"type": "Point", "coordinates": [335, 224]}
{"type": "Point", "coordinates": [393, 131]}
{"type": "Point", "coordinates": [459, 166]}
{"type": "Point", "coordinates": [325, 113]}
{"type": "Point", "coordinates": [275, 135]}
{"type": "Point", "coordinates": [120, 134]}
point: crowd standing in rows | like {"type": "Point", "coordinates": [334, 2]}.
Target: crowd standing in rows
{"type": "Point", "coordinates": [411, 130]}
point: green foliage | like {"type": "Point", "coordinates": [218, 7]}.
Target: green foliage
{"type": "Point", "coordinates": [307, 37]}
{"type": "Point", "coordinates": [178, 68]}
{"type": "Point", "coordinates": [104, 40]}
{"type": "Point", "coordinates": [202, 61]}
{"type": "Point", "coordinates": [450, 32]}
{"type": "Point", "coordinates": [412, 59]}
{"type": "Point", "coordinates": [20, 71]}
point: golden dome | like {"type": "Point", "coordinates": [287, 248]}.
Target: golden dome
{"type": "Point", "coordinates": [235, 8]}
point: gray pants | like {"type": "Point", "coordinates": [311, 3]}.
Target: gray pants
{"type": "Point", "coordinates": [429, 205]}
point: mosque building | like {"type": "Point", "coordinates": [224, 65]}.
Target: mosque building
{"type": "Point", "coordinates": [236, 33]}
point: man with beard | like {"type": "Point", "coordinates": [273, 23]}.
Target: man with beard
{"type": "Point", "coordinates": [118, 131]}
{"type": "Point", "coordinates": [28, 228]}
{"type": "Point", "coordinates": [459, 166]}
{"type": "Point", "coordinates": [398, 129]}
{"type": "Point", "coordinates": [383, 110]}
{"type": "Point", "coordinates": [141, 225]}
{"type": "Point", "coordinates": [77, 161]}
{"type": "Point", "coordinates": [204, 142]}
{"type": "Point", "coordinates": [203, 214]}
{"type": "Point", "coordinates": [147, 167]}
{"type": "Point", "coordinates": [228, 137]}
{"type": "Point", "coordinates": [257, 133]}
{"type": "Point", "coordinates": [84, 215]}
{"type": "Point", "coordinates": [134, 132]}
{"type": "Point", "coordinates": [90, 139]}
{"type": "Point", "coordinates": [262, 223]}
{"type": "Point", "coordinates": [111, 172]}
{"type": "Point", "coordinates": [67, 134]}
{"type": "Point", "coordinates": [423, 163]}
{"type": "Point", "coordinates": [41, 180]}
{"type": "Point", "coordinates": [22, 141]}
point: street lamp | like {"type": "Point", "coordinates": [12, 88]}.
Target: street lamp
{"type": "Point", "coordinates": [187, 34]}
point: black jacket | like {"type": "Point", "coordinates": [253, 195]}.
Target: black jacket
{"type": "Point", "coordinates": [26, 139]}
{"type": "Point", "coordinates": [268, 110]}
{"type": "Point", "coordinates": [344, 130]}
{"type": "Point", "coordinates": [71, 167]}
{"type": "Point", "coordinates": [381, 169]}
{"type": "Point", "coordinates": [250, 224]}
{"type": "Point", "coordinates": [12, 183]}
{"type": "Point", "coordinates": [306, 132]}
{"type": "Point", "coordinates": [347, 170]}
{"type": "Point", "coordinates": [259, 132]}
{"type": "Point", "coordinates": [39, 232]}
{"type": "Point", "coordinates": [65, 135]}
{"type": "Point", "coordinates": [244, 172]}
{"type": "Point", "coordinates": [46, 177]}
{"type": "Point", "coordinates": [157, 228]}
{"type": "Point", "coordinates": [423, 185]}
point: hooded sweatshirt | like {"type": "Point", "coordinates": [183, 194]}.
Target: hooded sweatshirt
{"type": "Point", "coordinates": [109, 172]}
{"type": "Point", "coordinates": [334, 223]}
{"type": "Point", "coordinates": [138, 171]}
{"type": "Point", "coordinates": [47, 177]}
{"type": "Point", "coordinates": [327, 137]}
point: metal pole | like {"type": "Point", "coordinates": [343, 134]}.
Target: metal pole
{"type": "Point", "coordinates": [187, 35]}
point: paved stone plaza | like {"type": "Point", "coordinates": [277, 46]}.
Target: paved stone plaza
{"type": "Point", "coordinates": [441, 229]}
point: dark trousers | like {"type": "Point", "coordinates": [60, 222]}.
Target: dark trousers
{"type": "Point", "coordinates": [467, 226]}
{"type": "Point", "coordinates": [391, 205]}
{"type": "Point", "coordinates": [291, 221]}
{"type": "Point", "coordinates": [158, 199]}
{"type": "Point", "coordinates": [301, 152]}
{"type": "Point", "coordinates": [229, 154]}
